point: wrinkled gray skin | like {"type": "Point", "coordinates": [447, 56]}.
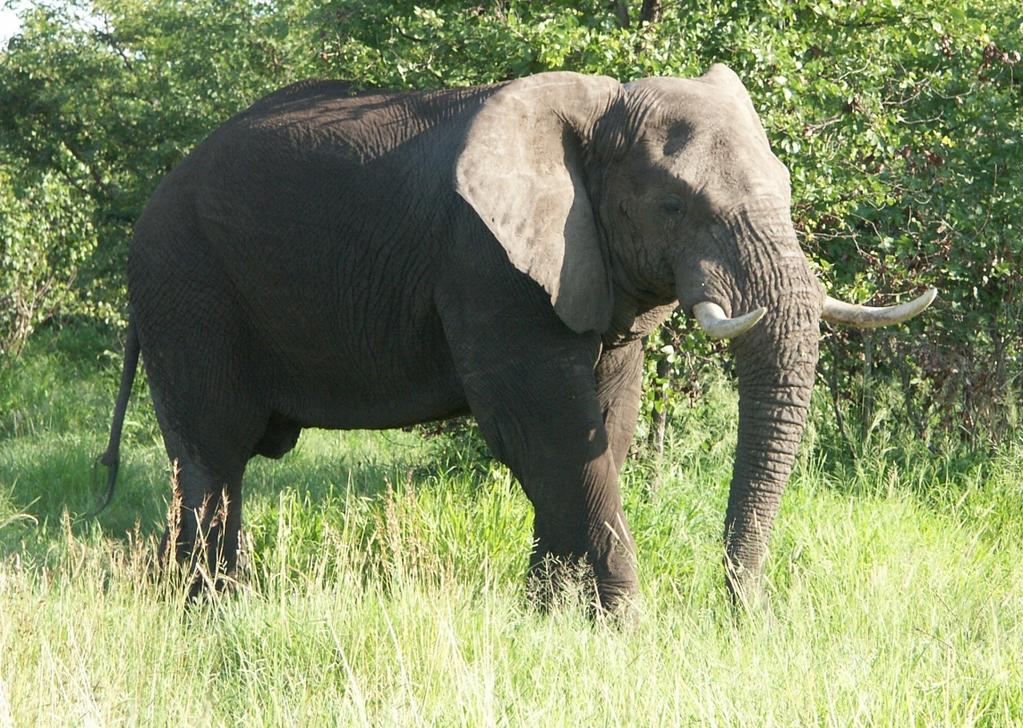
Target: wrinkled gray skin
{"type": "Point", "coordinates": [378, 261]}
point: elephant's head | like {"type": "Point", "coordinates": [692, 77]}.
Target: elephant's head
{"type": "Point", "coordinates": [657, 190]}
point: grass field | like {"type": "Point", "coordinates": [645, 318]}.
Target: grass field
{"type": "Point", "coordinates": [384, 583]}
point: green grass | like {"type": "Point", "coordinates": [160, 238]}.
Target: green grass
{"type": "Point", "coordinates": [384, 583]}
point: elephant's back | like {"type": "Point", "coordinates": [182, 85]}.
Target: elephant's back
{"type": "Point", "coordinates": [327, 240]}
{"type": "Point", "coordinates": [339, 119]}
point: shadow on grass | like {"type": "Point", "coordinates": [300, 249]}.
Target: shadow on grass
{"type": "Point", "coordinates": [45, 476]}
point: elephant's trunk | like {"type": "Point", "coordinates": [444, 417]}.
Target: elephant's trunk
{"type": "Point", "coordinates": [773, 404]}
{"type": "Point", "coordinates": [775, 362]}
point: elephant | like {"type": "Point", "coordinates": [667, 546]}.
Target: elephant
{"type": "Point", "coordinates": [337, 260]}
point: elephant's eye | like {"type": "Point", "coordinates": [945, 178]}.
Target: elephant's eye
{"type": "Point", "coordinates": [672, 205]}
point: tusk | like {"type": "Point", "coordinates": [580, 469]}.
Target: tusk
{"type": "Point", "coordinates": [870, 317]}
{"type": "Point", "coordinates": [713, 321]}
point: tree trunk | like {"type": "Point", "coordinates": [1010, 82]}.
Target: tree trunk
{"type": "Point", "coordinates": [621, 9]}
{"type": "Point", "coordinates": [867, 425]}
{"type": "Point", "coordinates": [651, 11]}
{"type": "Point", "coordinates": [660, 416]}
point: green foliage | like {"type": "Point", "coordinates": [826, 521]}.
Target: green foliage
{"type": "Point", "coordinates": [900, 121]}
{"type": "Point", "coordinates": [44, 239]}
{"type": "Point", "coordinates": [97, 102]}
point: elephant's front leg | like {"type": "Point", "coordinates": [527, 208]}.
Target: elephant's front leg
{"type": "Point", "coordinates": [619, 389]}
{"type": "Point", "coordinates": [579, 528]}
{"type": "Point", "coordinates": [545, 421]}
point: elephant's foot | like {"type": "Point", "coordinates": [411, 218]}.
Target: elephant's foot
{"type": "Point", "coordinates": [745, 587]}
{"type": "Point", "coordinates": [200, 568]}
{"type": "Point", "coordinates": [205, 555]}
{"type": "Point", "coordinates": [557, 581]}
{"type": "Point", "coordinates": [617, 601]}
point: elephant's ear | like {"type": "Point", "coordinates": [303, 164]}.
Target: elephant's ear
{"type": "Point", "coordinates": [728, 81]}
{"type": "Point", "coordinates": [521, 170]}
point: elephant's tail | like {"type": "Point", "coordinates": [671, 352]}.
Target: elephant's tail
{"type": "Point", "coordinates": [112, 458]}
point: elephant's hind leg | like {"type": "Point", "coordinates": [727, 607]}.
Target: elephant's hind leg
{"type": "Point", "coordinates": [212, 418]}
{"type": "Point", "coordinates": [204, 519]}
{"type": "Point", "coordinates": [208, 381]}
